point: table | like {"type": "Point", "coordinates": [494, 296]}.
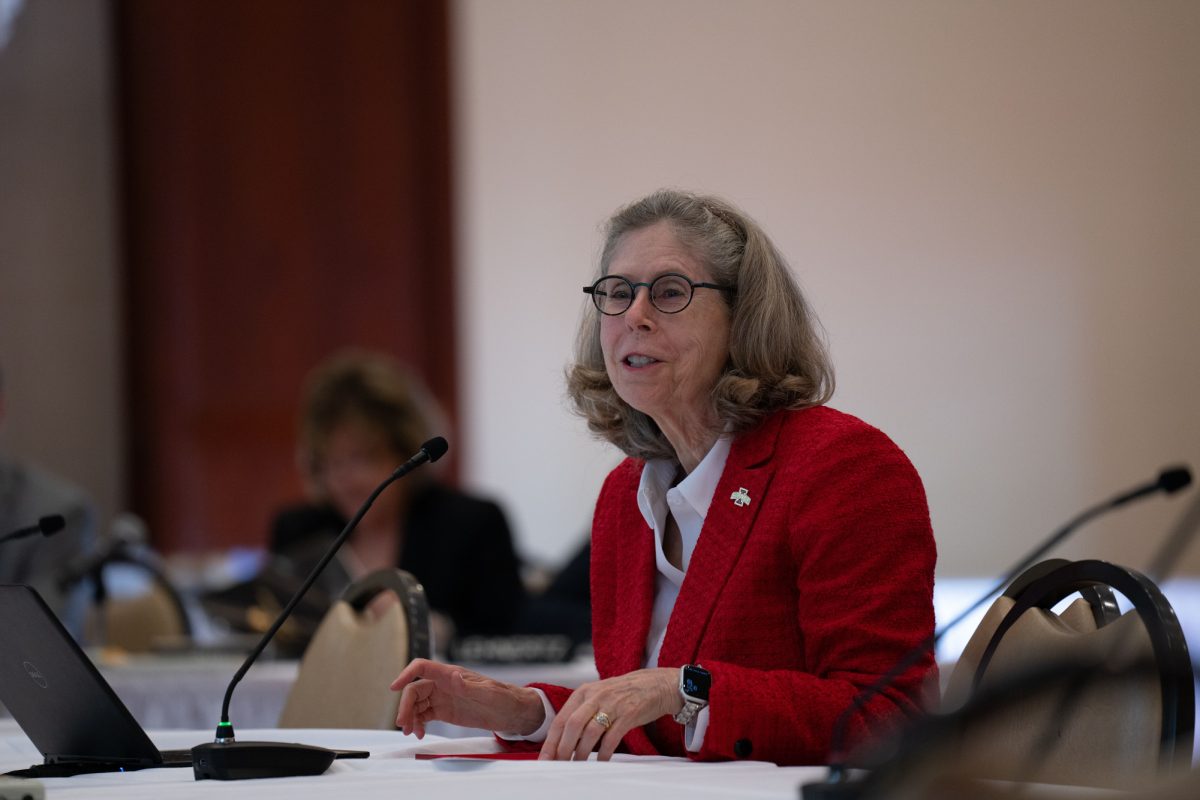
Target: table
{"type": "Point", "coordinates": [393, 772]}
{"type": "Point", "coordinates": [185, 692]}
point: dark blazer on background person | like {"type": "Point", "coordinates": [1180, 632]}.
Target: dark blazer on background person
{"type": "Point", "coordinates": [794, 601]}
{"type": "Point", "coordinates": [458, 546]}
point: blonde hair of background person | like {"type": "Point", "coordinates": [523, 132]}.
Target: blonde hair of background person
{"type": "Point", "coordinates": [753, 534]}
{"type": "Point", "coordinates": [362, 415]}
{"type": "Point", "coordinates": [372, 390]}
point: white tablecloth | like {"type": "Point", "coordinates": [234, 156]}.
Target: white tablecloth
{"type": "Point", "coordinates": [185, 692]}
{"type": "Point", "coordinates": [392, 772]}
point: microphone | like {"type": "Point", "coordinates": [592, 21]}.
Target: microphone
{"type": "Point", "coordinates": [837, 783]}
{"type": "Point", "coordinates": [1169, 481]}
{"type": "Point", "coordinates": [227, 759]}
{"type": "Point", "coordinates": [46, 526]}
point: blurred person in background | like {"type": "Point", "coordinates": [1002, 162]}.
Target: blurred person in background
{"type": "Point", "coordinates": [28, 493]}
{"type": "Point", "coordinates": [363, 415]}
{"type": "Point", "coordinates": [564, 606]}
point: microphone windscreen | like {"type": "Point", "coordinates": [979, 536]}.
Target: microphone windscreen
{"type": "Point", "coordinates": [51, 524]}
{"type": "Point", "coordinates": [436, 447]}
{"type": "Point", "coordinates": [1174, 479]}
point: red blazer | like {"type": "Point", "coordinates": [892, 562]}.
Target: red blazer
{"type": "Point", "coordinates": [794, 601]}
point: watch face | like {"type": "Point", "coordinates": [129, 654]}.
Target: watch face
{"type": "Point", "coordinates": [695, 682]}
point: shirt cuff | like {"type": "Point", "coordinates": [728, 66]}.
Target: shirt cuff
{"type": "Point", "coordinates": [540, 734]}
{"type": "Point", "coordinates": [693, 732]}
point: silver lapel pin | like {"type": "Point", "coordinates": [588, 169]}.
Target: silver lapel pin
{"type": "Point", "coordinates": [741, 497]}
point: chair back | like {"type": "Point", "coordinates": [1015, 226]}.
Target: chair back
{"type": "Point", "coordinates": [155, 619]}
{"type": "Point", "coordinates": [1118, 707]}
{"type": "Point", "coordinates": [380, 624]}
{"type": "Point", "coordinates": [143, 623]}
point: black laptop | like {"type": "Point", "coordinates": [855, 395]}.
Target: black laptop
{"type": "Point", "coordinates": [62, 702]}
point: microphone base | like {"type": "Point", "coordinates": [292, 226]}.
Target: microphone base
{"type": "Point", "coordinates": [235, 761]}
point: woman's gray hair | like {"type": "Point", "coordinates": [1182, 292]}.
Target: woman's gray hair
{"type": "Point", "coordinates": [777, 354]}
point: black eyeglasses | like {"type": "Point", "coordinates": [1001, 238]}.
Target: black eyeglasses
{"type": "Point", "coordinates": [670, 293]}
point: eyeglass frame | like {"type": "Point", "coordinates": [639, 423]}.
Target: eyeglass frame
{"type": "Point", "coordinates": [633, 287]}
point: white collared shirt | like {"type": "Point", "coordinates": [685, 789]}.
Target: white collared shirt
{"type": "Point", "coordinates": [688, 503]}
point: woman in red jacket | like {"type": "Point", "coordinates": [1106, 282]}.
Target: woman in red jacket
{"type": "Point", "coordinates": [758, 559]}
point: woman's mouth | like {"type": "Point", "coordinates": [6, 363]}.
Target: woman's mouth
{"type": "Point", "coordinates": [639, 360]}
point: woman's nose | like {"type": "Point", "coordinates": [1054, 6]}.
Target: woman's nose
{"type": "Point", "coordinates": [640, 313]}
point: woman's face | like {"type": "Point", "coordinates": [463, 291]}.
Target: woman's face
{"type": "Point", "coordinates": [357, 458]}
{"type": "Point", "coordinates": [665, 365]}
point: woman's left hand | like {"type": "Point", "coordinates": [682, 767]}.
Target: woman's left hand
{"type": "Point", "coordinates": [628, 701]}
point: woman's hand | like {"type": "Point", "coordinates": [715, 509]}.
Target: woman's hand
{"type": "Point", "coordinates": [433, 691]}
{"type": "Point", "coordinates": [629, 701]}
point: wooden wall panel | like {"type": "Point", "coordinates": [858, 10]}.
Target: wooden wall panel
{"type": "Point", "coordinates": [286, 191]}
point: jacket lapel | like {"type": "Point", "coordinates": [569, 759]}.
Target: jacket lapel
{"type": "Point", "coordinates": [739, 496]}
{"type": "Point", "coordinates": [635, 601]}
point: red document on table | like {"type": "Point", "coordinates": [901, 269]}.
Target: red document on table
{"type": "Point", "coordinates": [529, 756]}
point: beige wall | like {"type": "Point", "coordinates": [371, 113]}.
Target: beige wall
{"type": "Point", "coordinates": [994, 206]}
{"type": "Point", "coordinates": [58, 286]}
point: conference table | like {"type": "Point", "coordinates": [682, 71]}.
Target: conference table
{"type": "Point", "coordinates": [184, 691]}
{"type": "Point", "coordinates": [177, 699]}
{"type": "Point", "coordinates": [396, 770]}
{"type": "Point", "coordinates": [393, 771]}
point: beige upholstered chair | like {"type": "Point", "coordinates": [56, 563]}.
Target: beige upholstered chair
{"type": "Point", "coordinates": [151, 620]}
{"type": "Point", "coordinates": [1088, 696]}
{"type": "Point", "coordinates": [379, 625]}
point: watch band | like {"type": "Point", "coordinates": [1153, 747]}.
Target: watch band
{"type": "Point", "coordinates": [689, 711]}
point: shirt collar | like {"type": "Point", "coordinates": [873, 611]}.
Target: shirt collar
{"type": "Point", "coordinates": [697, 489]}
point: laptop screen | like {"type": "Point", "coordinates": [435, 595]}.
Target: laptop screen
{"type": "Point", "coordinates": [56, 694]}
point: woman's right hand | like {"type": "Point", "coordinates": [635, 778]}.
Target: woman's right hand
{"type": "Point", "coordinates": [430, 690]}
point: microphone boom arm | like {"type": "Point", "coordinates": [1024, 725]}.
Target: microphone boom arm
{"type": "Point", "coordinates": [225, 732]}
{"type": "Point", "coordinates": [1169, 481]}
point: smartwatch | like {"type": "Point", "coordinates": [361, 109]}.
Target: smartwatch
{"type": "Point", "coordinates": [694, 683]}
